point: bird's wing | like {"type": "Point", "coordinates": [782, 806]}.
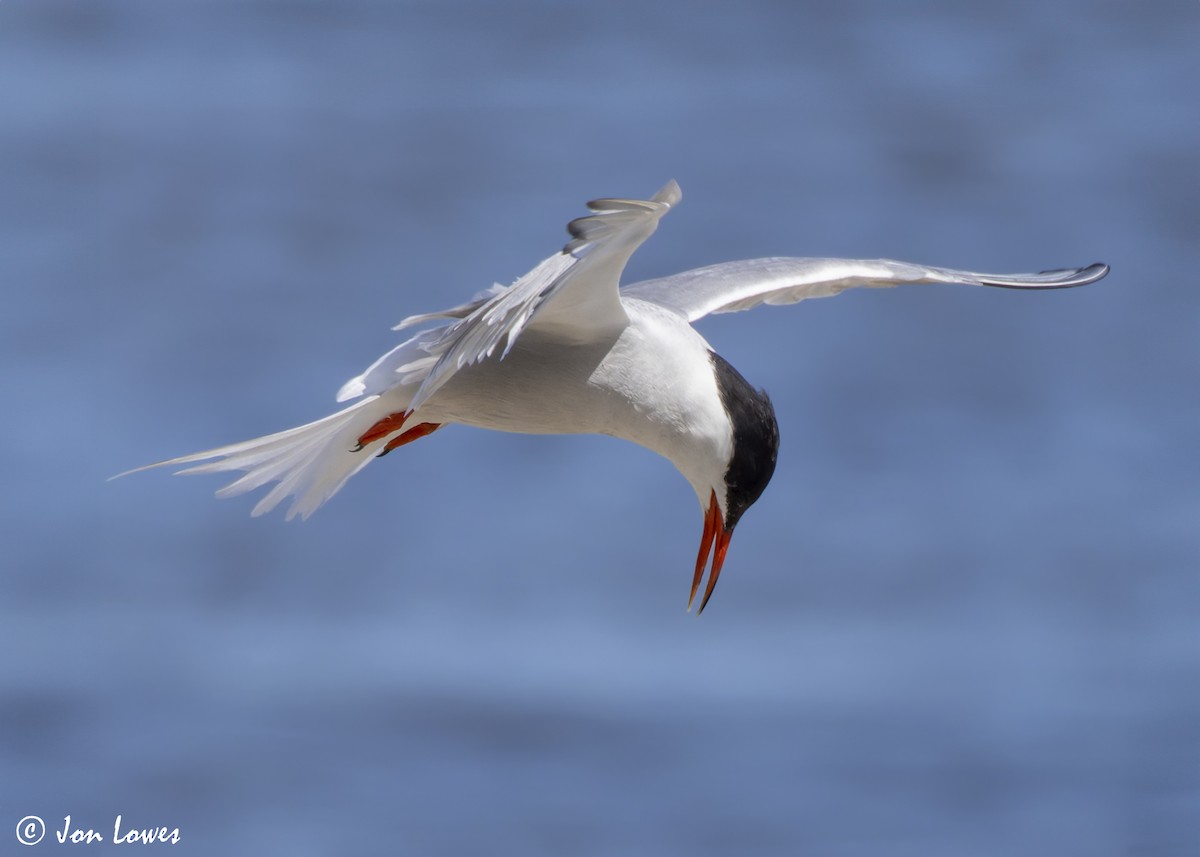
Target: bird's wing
{"type": "Point", "coordinates": [575, 292]}
{"type": "Point", "coordinates": [736, 286]}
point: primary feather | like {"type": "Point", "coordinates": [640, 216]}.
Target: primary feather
{"type": "Point", "coordinates": [742, 285]}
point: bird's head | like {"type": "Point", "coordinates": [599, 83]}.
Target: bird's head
{"type": "Point", "coordinates": [749, 468]}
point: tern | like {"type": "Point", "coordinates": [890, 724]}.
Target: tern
{"type": "Point", "coordinates": [566, 350]}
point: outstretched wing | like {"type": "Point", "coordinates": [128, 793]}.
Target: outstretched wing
{"type": "Point", "coordinates": [736, 286]}
{"type": "Point", "coordinates": [575, 291]}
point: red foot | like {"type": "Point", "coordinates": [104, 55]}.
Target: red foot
{"type": "Point", "coordinates": [415, 433]}
{"type": "Point", "coordinates": [383, 428]}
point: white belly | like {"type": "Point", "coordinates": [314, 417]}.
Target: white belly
{"type": "Point", "coordinates": [652, 384]}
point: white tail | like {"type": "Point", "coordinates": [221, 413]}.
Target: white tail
{"type": "Point", "coordinates": [310, 462]}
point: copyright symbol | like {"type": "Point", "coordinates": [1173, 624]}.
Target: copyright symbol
{"type": "Point", "coordinates": [30, 830]}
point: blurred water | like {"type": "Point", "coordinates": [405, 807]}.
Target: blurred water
{"type": "Point", "coordinates": [962, 620]}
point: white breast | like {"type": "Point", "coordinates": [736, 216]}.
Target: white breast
{"type": "Point", "coordinates": [652, 383]}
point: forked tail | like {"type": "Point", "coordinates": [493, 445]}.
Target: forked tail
{"type": "Point", "coordinates": [311, 462]}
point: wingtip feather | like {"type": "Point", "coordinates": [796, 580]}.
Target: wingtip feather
{"type": "Point", "coordinates": [1059, 278]}
{"type": "Point", "coordinates": [669, 194]}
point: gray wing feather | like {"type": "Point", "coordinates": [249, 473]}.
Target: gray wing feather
{"type": "Point", "coordinates": [736, 286]}
{"type": "Point", "coordinates": [576, 291]}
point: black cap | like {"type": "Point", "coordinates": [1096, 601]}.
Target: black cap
{"type": "Point", "coordinates": [755, 439]}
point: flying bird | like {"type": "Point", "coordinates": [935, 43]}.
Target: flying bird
{"type": "Point", "coordinates": [566, 350]}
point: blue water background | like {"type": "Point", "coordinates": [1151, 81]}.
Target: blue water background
{"type": "Point", "coordinates": [963, 620]}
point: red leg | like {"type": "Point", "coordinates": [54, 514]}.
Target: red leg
{"type": "Point", "coordinates": [415, 433]}
{"type": "Point", "coordinates": [382, 428]}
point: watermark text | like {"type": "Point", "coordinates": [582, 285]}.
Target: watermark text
{"type": "Point", "coordinates": [32, 829]}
